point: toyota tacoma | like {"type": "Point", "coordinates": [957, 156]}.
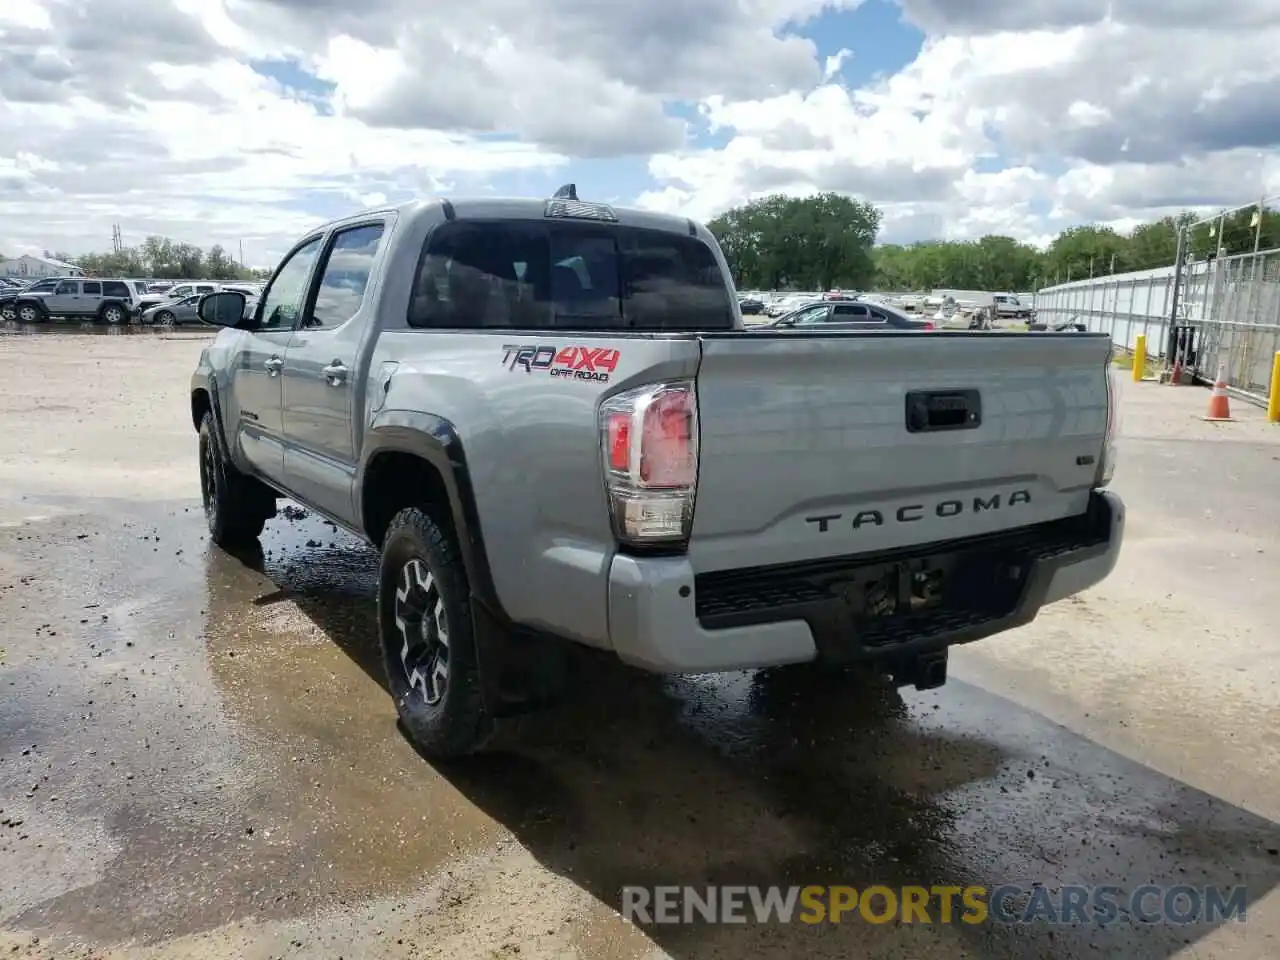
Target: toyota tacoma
{"type": "Point", "coordinates": [547, 417]}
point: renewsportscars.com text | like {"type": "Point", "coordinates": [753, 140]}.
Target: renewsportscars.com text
{"type": "Point", "coordinates": [1148, 904]}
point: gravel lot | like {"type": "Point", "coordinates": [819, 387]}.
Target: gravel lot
{"type": "Point", "coordinates": [197, 758]}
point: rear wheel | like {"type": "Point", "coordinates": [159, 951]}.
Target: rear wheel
{"type": "Point", "coordinates": [428, 645]}
{"type": "Point", "coordinates": [164, 319]}
{"type": "Point", "coordinates": [113, 313]}
{"type": "Point", "coordinates": [235, 506]}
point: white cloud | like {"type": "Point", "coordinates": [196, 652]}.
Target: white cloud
{"type": "Point", "coordinates": [1017, 119]}
{"type": "Point", "coordinates": [1120, 117]}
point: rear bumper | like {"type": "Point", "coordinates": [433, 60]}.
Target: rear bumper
{"type": "Point", "coordinates": [666, 619]}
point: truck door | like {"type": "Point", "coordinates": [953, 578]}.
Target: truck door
{"type": "Point", "coordinates": [255, 422]}
{"type": "Point", "coordinates": [321, 383]}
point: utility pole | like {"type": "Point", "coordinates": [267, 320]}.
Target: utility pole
{"type": "Point", "coordinates": [242, 253]}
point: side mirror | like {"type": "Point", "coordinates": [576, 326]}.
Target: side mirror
{"type": "Point", "coordinates": [223, 309]}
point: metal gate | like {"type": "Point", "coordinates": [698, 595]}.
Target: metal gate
{"type": "Point", "coordinates": [1233, 306]}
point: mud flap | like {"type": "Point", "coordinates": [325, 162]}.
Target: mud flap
{"type": "Point", "coordinates": [520, 671]}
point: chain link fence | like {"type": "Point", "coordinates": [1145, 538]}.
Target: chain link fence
{"type": "Point", "coordinates": [1229, 304]}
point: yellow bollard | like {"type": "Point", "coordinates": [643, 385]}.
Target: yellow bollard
{"type": "Point", "coordinates": [1139, 357]}
{"type": "Point", "coordinates": [1273, 395]}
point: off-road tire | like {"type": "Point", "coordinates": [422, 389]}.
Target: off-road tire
{"type": "Point", "coordinates": [113, 314]}
{"type": "Point", "coordinates": [235, 506]}
{"type": "Point", "coordinates": [419, 556]}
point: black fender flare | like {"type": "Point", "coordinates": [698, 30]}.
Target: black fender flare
{"type": "Point", "coordinates": [435, 440]}
{"type": "Point", "coordinates": [210, 387]}
{"type": "Point", "coordinates": [503, 650]}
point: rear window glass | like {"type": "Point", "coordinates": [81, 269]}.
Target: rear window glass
{"type": "Point", "coordinates": [567, 276]}
{"type": "Point", "coordinates": [115, 288]}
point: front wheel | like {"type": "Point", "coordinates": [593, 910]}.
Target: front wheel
{"type": "Point", "coordinates": [29, 313]}
{"type": "Point", "coordinates": [428, 646]}
{"type": "Point", "coordinates": [234, 508]}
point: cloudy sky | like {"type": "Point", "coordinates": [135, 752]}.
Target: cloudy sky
{"type": "Point", "coordinates": [247, 121]}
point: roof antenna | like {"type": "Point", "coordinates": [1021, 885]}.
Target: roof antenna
{"type": "Point", "coordinates": [568, 192]}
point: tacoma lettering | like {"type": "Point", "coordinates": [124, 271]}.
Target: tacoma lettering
{"type": "Point", "coordinates": [911, 512]}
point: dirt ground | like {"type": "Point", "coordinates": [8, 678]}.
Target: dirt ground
{"type": "Point", "coordinates": [198, 759]}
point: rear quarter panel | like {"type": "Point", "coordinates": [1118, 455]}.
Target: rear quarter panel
{"type": "Point", "coordinates": [532, 446]}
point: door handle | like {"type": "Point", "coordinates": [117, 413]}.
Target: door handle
{"type": "Point", "coordinates": [335, 373]}
{"type": "Point", "coordinates": [273, 365]}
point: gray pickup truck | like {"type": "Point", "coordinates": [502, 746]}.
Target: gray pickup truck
{"type": "Point", "coordinates": [548, 418]}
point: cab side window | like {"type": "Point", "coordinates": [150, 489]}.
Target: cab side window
{"type": "Point", "coordinates": [283, 300]}
{"type": "Point", "coordinates": [346, 275]}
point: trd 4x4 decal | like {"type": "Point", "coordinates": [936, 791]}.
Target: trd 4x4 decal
{"type": "Point", "coordinates": [576, 362]}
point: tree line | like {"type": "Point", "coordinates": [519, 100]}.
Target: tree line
{"type": "Point", "coordinates": [160, 258]}
{"type": "Point", "coordinates": [828, 242]}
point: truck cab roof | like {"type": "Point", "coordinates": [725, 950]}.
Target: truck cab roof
{"type": "Point", "coordinates": [523, 208]}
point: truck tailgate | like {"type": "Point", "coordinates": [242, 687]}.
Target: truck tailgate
{"type": "Point", "coordinates": [806, 450]}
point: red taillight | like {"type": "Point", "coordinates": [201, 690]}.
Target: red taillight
{"type": "Point", "coordinates": [666, 448]}
{"type": "Point", "coordinates": [928, 325]}
{"type": "Point", "coordinates": [619, 440]}
{"type": "Point", "coordinates": [650, 439]}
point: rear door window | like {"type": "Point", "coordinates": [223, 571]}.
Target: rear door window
{"type": "Point", "coordinates": [533, 274]}
{"type": "Point", "coordinates": [849, 312]}
{"type": "Point", "coordinates": [92, 288]}
{"type": "Point", "coordinates": [345, 275]}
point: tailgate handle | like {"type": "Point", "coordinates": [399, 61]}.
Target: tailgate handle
{"type": "Point", "coordinates": [933, 410]}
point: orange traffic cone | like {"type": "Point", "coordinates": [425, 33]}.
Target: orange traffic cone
{"type": "Point", "coordinates": [1219, 403]}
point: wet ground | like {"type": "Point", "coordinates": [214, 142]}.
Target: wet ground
{"type": "Point", "coordinates": [198, 759]}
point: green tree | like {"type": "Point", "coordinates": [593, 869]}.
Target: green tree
{"type": "Point", "coordinates": [1087, 251]}
{"type": "Point", "coordinates": [990, 263]}
{"type": "Point", "coordinates": [165, 259]}
{"type": "Point", "coordinates": [817, 242]}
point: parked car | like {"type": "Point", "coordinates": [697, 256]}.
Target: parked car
{"type": "Point", "coordinates": [78, 298]}
{"type": "Point", "coordinates": [175, 292]}
{"type": "Point", "coordinates": [700, 501]}
{"type": "Point", "coordinates": [847, 315]}
{"type": "Point", "coordinates": [750, 306]}
{"type": "Point", "coordinates": [173, 312]}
